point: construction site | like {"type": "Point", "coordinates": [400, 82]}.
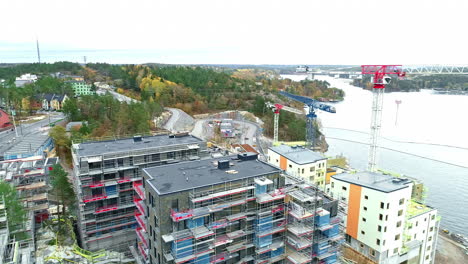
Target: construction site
{"type": "Point", "coordinates": [237, 209]}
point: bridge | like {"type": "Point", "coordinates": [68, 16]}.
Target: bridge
{"type": "Point", "coordinates": [425, 69]}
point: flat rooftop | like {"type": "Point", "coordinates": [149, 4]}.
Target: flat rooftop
{"type": "Point", "coordinates": [375, 181]}
{"type": "Point", "coordinates": [297, 154]}
{"type": "Point", "coordinates": [128, 144]}
{"type": "Point", "coordinates": [415, 209]}
{"type": "Point", "coordinates": [200, 173]}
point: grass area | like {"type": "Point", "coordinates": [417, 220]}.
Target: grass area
{"type": "Point", "coordinates": [415, 208]}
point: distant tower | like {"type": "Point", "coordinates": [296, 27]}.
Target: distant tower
{"type": "Point", "coordinates": [84, 58]}
{"type": "Point", "coordinates": [38, 52]}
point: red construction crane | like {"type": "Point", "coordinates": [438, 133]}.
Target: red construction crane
{"type": "Point", "coordinates": [380, 79]}
{"type": "Point", "coordinates": [276, 108]}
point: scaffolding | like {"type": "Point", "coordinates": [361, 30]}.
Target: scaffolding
{"type": "Point", "coordinates": [254, 221]}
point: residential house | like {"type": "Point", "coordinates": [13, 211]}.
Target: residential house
{"type": "Point", "coordinates": [384, 223]}
{"type": "Point", "coordinates": [81, 88]}
{"type": "Point", "coordinates": [53, 101]}
{"type": "Point", "coordinates": [25, 79]}
{"type": "Point", "coordinates": [4, 119]}
{"type": "Point", "coordinates": [300, 162]}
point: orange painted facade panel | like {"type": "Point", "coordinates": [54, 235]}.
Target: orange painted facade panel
{"type": "Point", "coordinates": [354, 205]}
{"type": "Point", "coordinates": [283, 163]}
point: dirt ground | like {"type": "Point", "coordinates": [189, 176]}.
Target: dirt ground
{"type": "Point", "coordinates": [448, 251]}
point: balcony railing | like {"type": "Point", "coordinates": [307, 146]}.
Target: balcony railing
{"type": "Point", "coordinates": [140, 220]}
{"type": "Point", "coordinates": [106, 208]}
{"type": "Point", "coordinates": [137, 186]}
{"type": "Point", "coordinates": [140, 233]}
{"type": "Point", "coordinates": [96, 197]}
{"type": "Point", "coordinates": [139, 204]}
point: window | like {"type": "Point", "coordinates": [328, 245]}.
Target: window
{"type": "Point", "coordinates": [432, 229]}
{"type": "Point", "coordinates": [344, 188]}
{"type": "Point", "coordinates": [386, 218]}
{"type": "Point", "coordinates": [302, 171]}
{"type": "Point", "coordinates": [362, 232]}
{"type": "Point", "coordinates": [379, 228]}
{"type": "Point", "coordinates": [378, 242]}
{"type": "Point", "coordinates": [372, 252]}
{"type": "Point", "coordinates": [361, 245]}
{"type": "Point", "coordinates": [276, 161]}
{"type": "Point", "coordinates": [398, 224]}
{"type": "Point", "coordinates": [388, 205]}
{"type": "Point", "coordinates": [382, 205]}
{"type": "Point", "coordinates": [402, 201]}
{"type": "Point", "coordinates": [425, 219]}
{"type": "Point", "coordinates": [432, 217]}
{"type": "Point", "coordinates": [395, 251]}
{"type": "Point", "coordinates": [364, 219]}
{"type": "Point", "coordinates": [365, 208]}
{"type": "Point", "coordinates": [120, 162]}
{"type": "Point", "coordinates": [383, 243]}
{"type": "Point", "coordinates": [348, 238]}
{"type": "Point", "coordinates": [380, 216]}
{"type": "Point", "coordinates": [312, 169]}
{"type": "Point", "coordinates": [175, 204]}
{"type": "Point", "coordinates": [333, 184]}
{"type": "Point", "coordinates": [170, 155]}
{"type": "Point", "coordinates": [416, 223]}
{"type": "Point", "coordinates": [366, 197]}
{"type": "Point", "coordinates": [400, 213]}
{"type": "Point", "coordinates": [290, 166]}
{"type": "Point", "coordinates": [429, 248]}
{"type": "Point", "coordinates": [415, 236]}
{"type": "Point", "coordinates": [427, 257]}
{"type": "Point", "coordinates": [430, 239]}
{"type": "Point", "coordinates": [385, 229]}
{"type": "Point", "coordinates": [397, 237]}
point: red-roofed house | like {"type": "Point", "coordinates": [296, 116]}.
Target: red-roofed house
{"type": "Point", "coordinates": [4, 119]}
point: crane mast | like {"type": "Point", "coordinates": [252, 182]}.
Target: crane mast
{"type": "Point", "coordinates": [380, 79]}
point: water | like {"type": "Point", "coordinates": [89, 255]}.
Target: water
{"type": "Point", "coordinates": [429, 142]}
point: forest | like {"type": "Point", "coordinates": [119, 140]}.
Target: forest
{"type": "Point", "coordinates": [194, 89]}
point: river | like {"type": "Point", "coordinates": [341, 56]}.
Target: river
{"type": "Point", "coordinates": [427, 140]}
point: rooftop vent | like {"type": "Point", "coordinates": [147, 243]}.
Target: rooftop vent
{"type": "Point", "coordinates": [137, 139]}
{"type": "Point", "coordinates": [223, 164]}
{"type": "Point", "coordinates": [247, 156]}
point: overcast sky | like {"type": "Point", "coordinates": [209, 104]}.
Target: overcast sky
{"type": "Point", "coordinates": [241, 32]}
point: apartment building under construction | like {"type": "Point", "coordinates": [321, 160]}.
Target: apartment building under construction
{"type": "Point", "coordinates": [105, 173]}
{"type": "Point", "coordinates": [234, 209]}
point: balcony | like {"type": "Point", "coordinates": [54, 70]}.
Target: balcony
{"type": "Point", "coordinates": [142, 236]}
{"type": "Point", "coordinates": [298, 258]}
{"type": "Point", "coordinates": [181, 215]}
{"type": "Point", "coordinates": [106, 208]}
{"type": "Point", "coordinates": [221, 194]}
{"type": "Point", "coordinates": [270, 197]}
{"type": "Point", "coordinates": [109, 225]}
{"type": "Point", "coordinates": [139, 204]}
{"type": "Point", "coordinates": [138, 187]}
{"type": "Point", "coordinates": [93, 198]}
{"type": "Point", "coordinates": [143, 251]}
{"type": "Point", "coordinates": [140, 219]}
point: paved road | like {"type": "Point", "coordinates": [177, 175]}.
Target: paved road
{"type": "Point", "coordinates": [122, 98]}
{"type": "Point", "coordinates": [8, 138]}
{"type": "Point", "coordinates": [179, 121]}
